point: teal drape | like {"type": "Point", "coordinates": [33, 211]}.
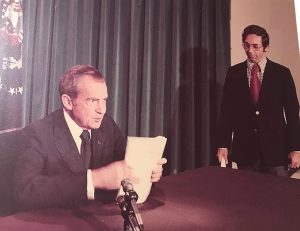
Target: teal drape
{"type": "Point", "coordinates": [164, 62]}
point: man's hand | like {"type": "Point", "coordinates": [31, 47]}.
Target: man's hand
{"type": "Point", "coordinates": [222, 153]}
{"type": "Point", "coordinates": [158, 169]}
{"type": "Point", "coordinates": [295, 159]}
{"type": "Point", "coordinates": [110, 176]}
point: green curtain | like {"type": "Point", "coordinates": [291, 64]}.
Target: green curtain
{"type": "Point", "coordinates": [164, 62]}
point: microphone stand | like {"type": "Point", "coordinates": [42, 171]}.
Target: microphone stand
{"type": "Point", "coordinates": [129, 211]}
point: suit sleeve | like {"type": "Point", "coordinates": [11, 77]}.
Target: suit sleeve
{"type": "Point", "coordinates": [115, 150]}
{"type": "Point", "coordinates": [291, 109]}
{"type": "Point", "coordinates": [224, 132]}
{"type": "Point", "coordinates": [36, 188]}
{"type": "Point", "coordinates": [119, 143]}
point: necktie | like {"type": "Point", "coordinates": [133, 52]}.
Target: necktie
{"type": "Point", "coordinates": [85, 149]}
{"type": "Point", "coordinates": [255, 83]}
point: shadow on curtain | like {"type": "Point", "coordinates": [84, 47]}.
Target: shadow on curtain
{"type": "Point", "coordinates": [164, 63]}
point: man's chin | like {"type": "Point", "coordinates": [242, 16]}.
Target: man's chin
{"type": "Point", "coordinates": [96, 125]}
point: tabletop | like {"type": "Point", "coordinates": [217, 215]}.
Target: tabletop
{"type": "Point", "coordinates": [208, 198]}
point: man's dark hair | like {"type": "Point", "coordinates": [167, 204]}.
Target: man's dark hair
{"type": "Point", "coordinates": [259, 31]}
{"type": "Point", "coordinates": [69, 80]}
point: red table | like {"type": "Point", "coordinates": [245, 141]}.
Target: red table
{"type": "Point", "coordinates": [209, 198]}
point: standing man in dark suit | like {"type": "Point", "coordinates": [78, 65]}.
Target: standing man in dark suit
{"type": "Point", "coordinates": [259, 120]}
{"type": "Point", "coordinates": [58, 167]}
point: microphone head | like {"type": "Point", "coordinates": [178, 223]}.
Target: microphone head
{"type": "Point", "coordinates": [126, 185]}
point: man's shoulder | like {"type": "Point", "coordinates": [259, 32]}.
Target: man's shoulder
{"type": "Point", "coordinates": [45, 124]}
{"type": "Point", "coordinates": [107, 123]}
{"type": "Point", "coordinates": [237, 70]}
{"type": "Point", "coordinates": [108, 127]}
{"type": "Point", "coordinates": [277, 66]}
{"type": "Point", "coordinates": [238, 66]}
{"type": "Point", "coordinates": [108, 119]}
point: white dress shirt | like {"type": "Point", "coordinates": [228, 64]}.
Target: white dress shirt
{"type": "Point", "coordinates": [76, 132]}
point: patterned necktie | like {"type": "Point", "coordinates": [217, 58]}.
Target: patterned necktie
{"type": "Point", "coordinates": [85, 149]}
{"type": "Point", "coordinates": [255, 83]}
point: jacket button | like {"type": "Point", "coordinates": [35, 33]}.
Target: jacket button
{"type": "Point", "coordinates": [257, 112]}
{"type": "Point", "coordinates": [255, 130]}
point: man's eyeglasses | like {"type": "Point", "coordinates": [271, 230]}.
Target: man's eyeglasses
{"type": "Point", "coordinates": [255, 47]}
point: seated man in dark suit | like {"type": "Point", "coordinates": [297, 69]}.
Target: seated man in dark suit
{"type": "Point", "coordinates": [58, 168]}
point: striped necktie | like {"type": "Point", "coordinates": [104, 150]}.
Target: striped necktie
{"type": "Point", "coordinates": [255, 83]}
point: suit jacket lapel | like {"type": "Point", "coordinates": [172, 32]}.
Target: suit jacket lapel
{"type": "Point", "coordinates": [245, 83]}
{"type": "Point", "coordinates": [66, 144]}
{"type": "Point", "coordinates": [98, 140]}
{"type": "Point", "coordinates": [265, 82]}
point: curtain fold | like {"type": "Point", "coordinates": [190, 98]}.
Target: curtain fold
{"type": "Point", "coordinates": [164, 63]}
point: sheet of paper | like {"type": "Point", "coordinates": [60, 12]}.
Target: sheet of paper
{"type": "Point", "coordinates": [234, 165]}
{"type": "Point", "coordinates": [142, 154]}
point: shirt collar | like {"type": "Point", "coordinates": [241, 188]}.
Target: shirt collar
{"type": "Point", "coordinates": [73, 127]}
{"type": "Point", "coordinates": [262, 64]}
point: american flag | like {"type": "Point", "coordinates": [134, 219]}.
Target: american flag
{"type": "Point", "coordinates": [11, 78]}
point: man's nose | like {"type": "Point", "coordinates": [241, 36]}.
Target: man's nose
{"type": "Point", "coordinates": [251, 49]}
{"type": "Point", "coordinates": [101, 107]}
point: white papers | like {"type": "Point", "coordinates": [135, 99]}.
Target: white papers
{"type": "Point", "coordinates": [234, 165]}
{"type": "Point", "coordinates": [142, 154]}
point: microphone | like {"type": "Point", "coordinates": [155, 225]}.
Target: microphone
{"type": "Point", "coordinates": [126, 185]}
{"type": "Point", "coordinates": [128, 201]}
{"type": "Point", "coordinates": [128, 189]}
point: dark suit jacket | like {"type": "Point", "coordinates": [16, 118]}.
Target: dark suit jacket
{"type": "Point", "coordinates": [261, 129]}
{"type": "Point", "coordinates": [11, 145]}
{"type": "Point", "coordinates": [50, 172]}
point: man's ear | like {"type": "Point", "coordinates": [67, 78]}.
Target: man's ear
{"type": "Point", "coordinates": [67, 102]}
{"type": "Point", "coordinates": [266, 48]}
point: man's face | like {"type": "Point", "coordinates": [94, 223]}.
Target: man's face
{"type": "Point", "coordinates": [254, 48]}
{"type": "Point", "coordinates": [89, 107]}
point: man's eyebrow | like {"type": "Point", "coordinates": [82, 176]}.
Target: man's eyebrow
{"type": "Point", "coordinates": [94, 98]}
{"type": "Point", "coordinates": [251, 43]}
